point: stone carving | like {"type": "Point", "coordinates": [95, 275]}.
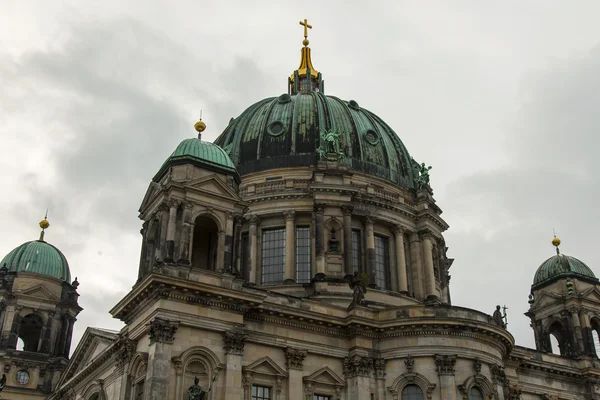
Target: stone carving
{"type": "Point", "coordinates": [445, 364]}
{"type": "Point", "coordinates": [126, 350]}
{"type": "Point", "coordinates": [421, 174]}
{"type": "Point", "coordinates": [330, 146]}
{"type": "Point", "coordinates": [498, 375]}
{"type": "Point", "coordinates": [514, 393]}
{"type": "Point", "coordinates": [357, 366]}
{"type": "Point", "coordinates": [197, 392]}
{"type": "Point", "coordinates": [234, 342]}
{"type": "Point", "coordinates": [294, 357]}
{"type": "Point", "coordinates": [498, 318]}
{"type": "Point", "coordinates": [358, 289]}
{"type": "Point", "coordinates": [477, 366]}
{"type": "Point", "coordinates": [162, 330]}
{"type": "Point", "coordinates": [379, 367]}
{"type": "Point", "coordinates": [410, 363]}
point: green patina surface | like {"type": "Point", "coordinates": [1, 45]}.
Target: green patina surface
{"type": "Point", "coordinates": [561, 265]}
{"type": "Point", "coordinates": [286, 131]}
{"type": "Point", "coordinates": [199, 152]}
{"type": "Point", "coordinates": [40, 258]}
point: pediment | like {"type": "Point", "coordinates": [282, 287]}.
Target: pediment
{"type": "Point", "coordinates": [325, 376]}
{"type": "Point", "coordinates": [154, 189]}
{"type": "Point", "coordinates": [591, 294]}
{"type": "Point", "coordinates": [265, 366]}
{"type": "Point", "coordinates": [212, 185]}
{"type": "Point", "coordinates": [39, 292]}
{"type": "Point", "coordinates": [545, 299]}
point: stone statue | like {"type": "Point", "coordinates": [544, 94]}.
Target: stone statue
{"type": "Point", "coordinates": [421, 174]}
{"type": "Point", "coordinates": [196, 391]}
{"type": "Point", "coordinates": [358, 289]}
{"type": "Point", "coordinates": [498, 318]}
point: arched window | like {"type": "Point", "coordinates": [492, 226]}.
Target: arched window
{"type": "Point", "coordinates": [412, 392]}
{"type": "Point", "coordinates": [556, 338]}
{"type": "Point", "coordinates": [204, 246]}
{"type": "Point", "coordinates": [31, 332]}
{"type": "Point", "coordinates": [595, 324]}
{"type": "Point", "coordinates": [475, 394]}
{"type": "Point", "coordinates": [139, 379]}
{"type": "Point", "coordinates": [20, 344]}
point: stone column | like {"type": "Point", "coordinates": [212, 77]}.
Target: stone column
{"type": "Point", "coordinates": [294, 359]}
{"type": "Point", "coordinates": [379, 367]}
{"type": "Point", "coordinates": [163, 210]}
{"type": "Point", "coordinates": [69, 337]}
{"type": "Point", "coordinates": [445, 368]}
{"type": "Point", "coordinates": [253, 243]}
{"type": "Point", "coordinates": [237, 233]}
{"type": "Point", "coordinates": [173, 204]}
{"type": "Point", "coordinates": [588, 338]}
{"type": "Point", "coordinates": [14, 329]}
{"type": "Point", "coordinates": [290, 235]}
{"type": "Point", "coordinates": [178, 364]}
{"type": "Point", "coordinates": [228, 253]}
{"type": "Point", "coordinates": [234, 343]}
{"type": "Point", "coordinates": [319, 239]}
{"type": "Point", "coordinates": [401, 259]}
{"type": "Point", "coordinates": [348, 259]}
{"type": "Point", "coordinates": [578, 333]}
{"type": "Point", "coordinates": [370, 250]}
{"type": "Point", "coordinates": [162, 334]}
{"type": "Point", "coordinates": [430, 291]}
{"type": "Point", "coordinates": [357, 370]}
{"type": "Point", "coordinates": [415, 261]}
{"type": "Point", "coordinates": [143, 252]}
{"type": "Point", "coordinates": [124, 355]}
{"type": "Point", "coordinates": [47, 333]}
{"type": "Point", "coordinates": [220, 251]}
{"type": "Point", "coordinates": [186, 234]}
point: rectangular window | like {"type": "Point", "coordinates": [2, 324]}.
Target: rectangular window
{"type": "Point", "coordinates": [245, 256]}
{"type": "Point", "coordinates": [273, 255]}
{"type": "Point", "coordinates": [261, 393]}
{"type": "Point", "coordinates": [303, 255]}
{"type": "Point", "coordinates": [382, 262]}
{"type": "Point", "coordinates": [319, 397]}
{"type": "Point", "coordinates": [356, 250]}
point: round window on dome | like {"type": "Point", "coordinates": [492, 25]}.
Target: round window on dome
{"type": "Point", "coordinates": [276, 128]}
{"type": "Point", "coordinates": [22, 377]}
{"type": "Point", "coordinates": [353, 105]}
{"type": "Point", "coordinates": [284, 98]}
{"type": "Point", "coordinates": [371, 137]}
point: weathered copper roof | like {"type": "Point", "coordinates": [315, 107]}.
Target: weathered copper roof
{"type": "Point", "coordinates": [561, 265]}
{"type": "Point", "coordinates": [38, 257]}
{"type": "Point", "coordinates": [286, 131]}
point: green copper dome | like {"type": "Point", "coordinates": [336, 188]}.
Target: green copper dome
{"type": "Point", "coordinates": [294, 130]}
{"type": "Point", "coordinates": [204, 154]}
{"type": "Point", "coordinates": [562, 265]}
{"type": "Point", "coordinates": [38, 257]}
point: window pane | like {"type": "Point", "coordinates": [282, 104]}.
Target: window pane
{"type": "Point", "coordinates": [261, 393]}
{"type": "Point", "coordinates": [382, 262]}
{"type": "Point", "coordinates": [320, 397]}
{"type": "Point", "coordinates": [303, 255]}
{"type": "Point", "coordinates": [475, 394]}
{"type": "Point", "coordinates": [273, 255]}
{"type": "Point", "coordinates": [412, 392]}
{"type": "Point", "coordinates": [356, 250]}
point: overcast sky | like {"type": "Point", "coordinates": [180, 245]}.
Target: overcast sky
{"type": "Point", "coordinates": [501, 98]}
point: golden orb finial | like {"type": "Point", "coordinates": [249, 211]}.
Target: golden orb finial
{"type": "Point", "coordinates": [44, 224]}
{"type": "Point", "coordinates": [556, 242]}
{"type": "Point", "coordinates": [200, 126]}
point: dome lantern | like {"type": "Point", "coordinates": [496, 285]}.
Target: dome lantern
{"type": "Point", "coordinates": [306, 78]}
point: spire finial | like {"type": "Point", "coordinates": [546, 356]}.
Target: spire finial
{"type": "Point", "coordinates": [200, 126]}
{"type": "Point", "coordinates": [44, 224]}
{"type": "Point", "coordinates": [556, 242]}
{"type": "Point", "coordinates": [306, 28]}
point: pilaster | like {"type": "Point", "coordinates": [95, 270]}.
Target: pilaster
{"type": "Point", "coordinates": [370, 253]}
{"type": "Point", "coordinates": [445, 368]}
{"type": "Point", "coordinates": [294, 360]}
{"type": "Point", "coordinates": [161, 333]}
{"type": "Point", "coordinates": [348, 246]}
{"type": "Point", "coordinates": [234, 343]}
{"type": "Point", "coordinates": [398, 232]}
{"type": "Point", "coordinates": [357, 370]}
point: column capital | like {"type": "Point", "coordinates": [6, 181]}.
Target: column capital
{"type": "Point", "coordinates": [357, 366]}
{"type": "Point", "coordinates": [289, 215]}
{"type": "Point", "coordinates": [379, 367]}
{"type": "Point", "coordinates": [178, 363]}
{"type": "Point", "coordinates": [409, 362]}
{"type": "Point", "coordinates": [229, 215]}
{"type": "Point", "coordinates": [163, 207]}
{"type": "Point", "coordinates": [445, 364]}
{"type": "Point", "coordinates": [347, 210]}
{"type": "Point", "coordinates": [234, 342]}
{"type": "Point", "coordinates": [294, 357]}
{"type": "Point", "coordinates": [188, 205]}
{"type": "Point", "coordinates": [398, 230]}
{"type": "Point", "coordinates": [162, 330]}
{"type": "Point", "coordinates": [426, 234]}
{"type": "Point", "coordinates": [254, 219]}
{"type": "Point", "coordinates": [221, 233]}
{"type": "Point", "coordinates": [173, 203]}
{"type": "Point", "coordinates": [369, 219]}
{"type": "Point", "coordinates": [319, 208]}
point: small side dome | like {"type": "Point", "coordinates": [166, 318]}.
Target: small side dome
{"type": "Point", "coordinates": [204, 154]}
{"type": "Point", "coordinates": [38, 257]}
{"type": "Point", "coordinates": [561, 266]}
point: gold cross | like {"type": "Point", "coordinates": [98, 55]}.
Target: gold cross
{"type": "Point", "coordinates": [306, 27]}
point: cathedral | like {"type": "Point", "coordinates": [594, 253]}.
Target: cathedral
{"type": "Point", "coordinates": [301, 256]}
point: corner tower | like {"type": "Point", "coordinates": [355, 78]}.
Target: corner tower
{"type": "Point", "coordinates": [39, 306]}
{"type": "Point", "coordinates": [565, 304]}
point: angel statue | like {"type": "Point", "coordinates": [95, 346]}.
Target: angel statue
{"type": "Point", "coordinates": [196, 391]}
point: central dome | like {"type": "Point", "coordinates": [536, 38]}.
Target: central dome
{"type": "Point", "coordinates": [290, 130]}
